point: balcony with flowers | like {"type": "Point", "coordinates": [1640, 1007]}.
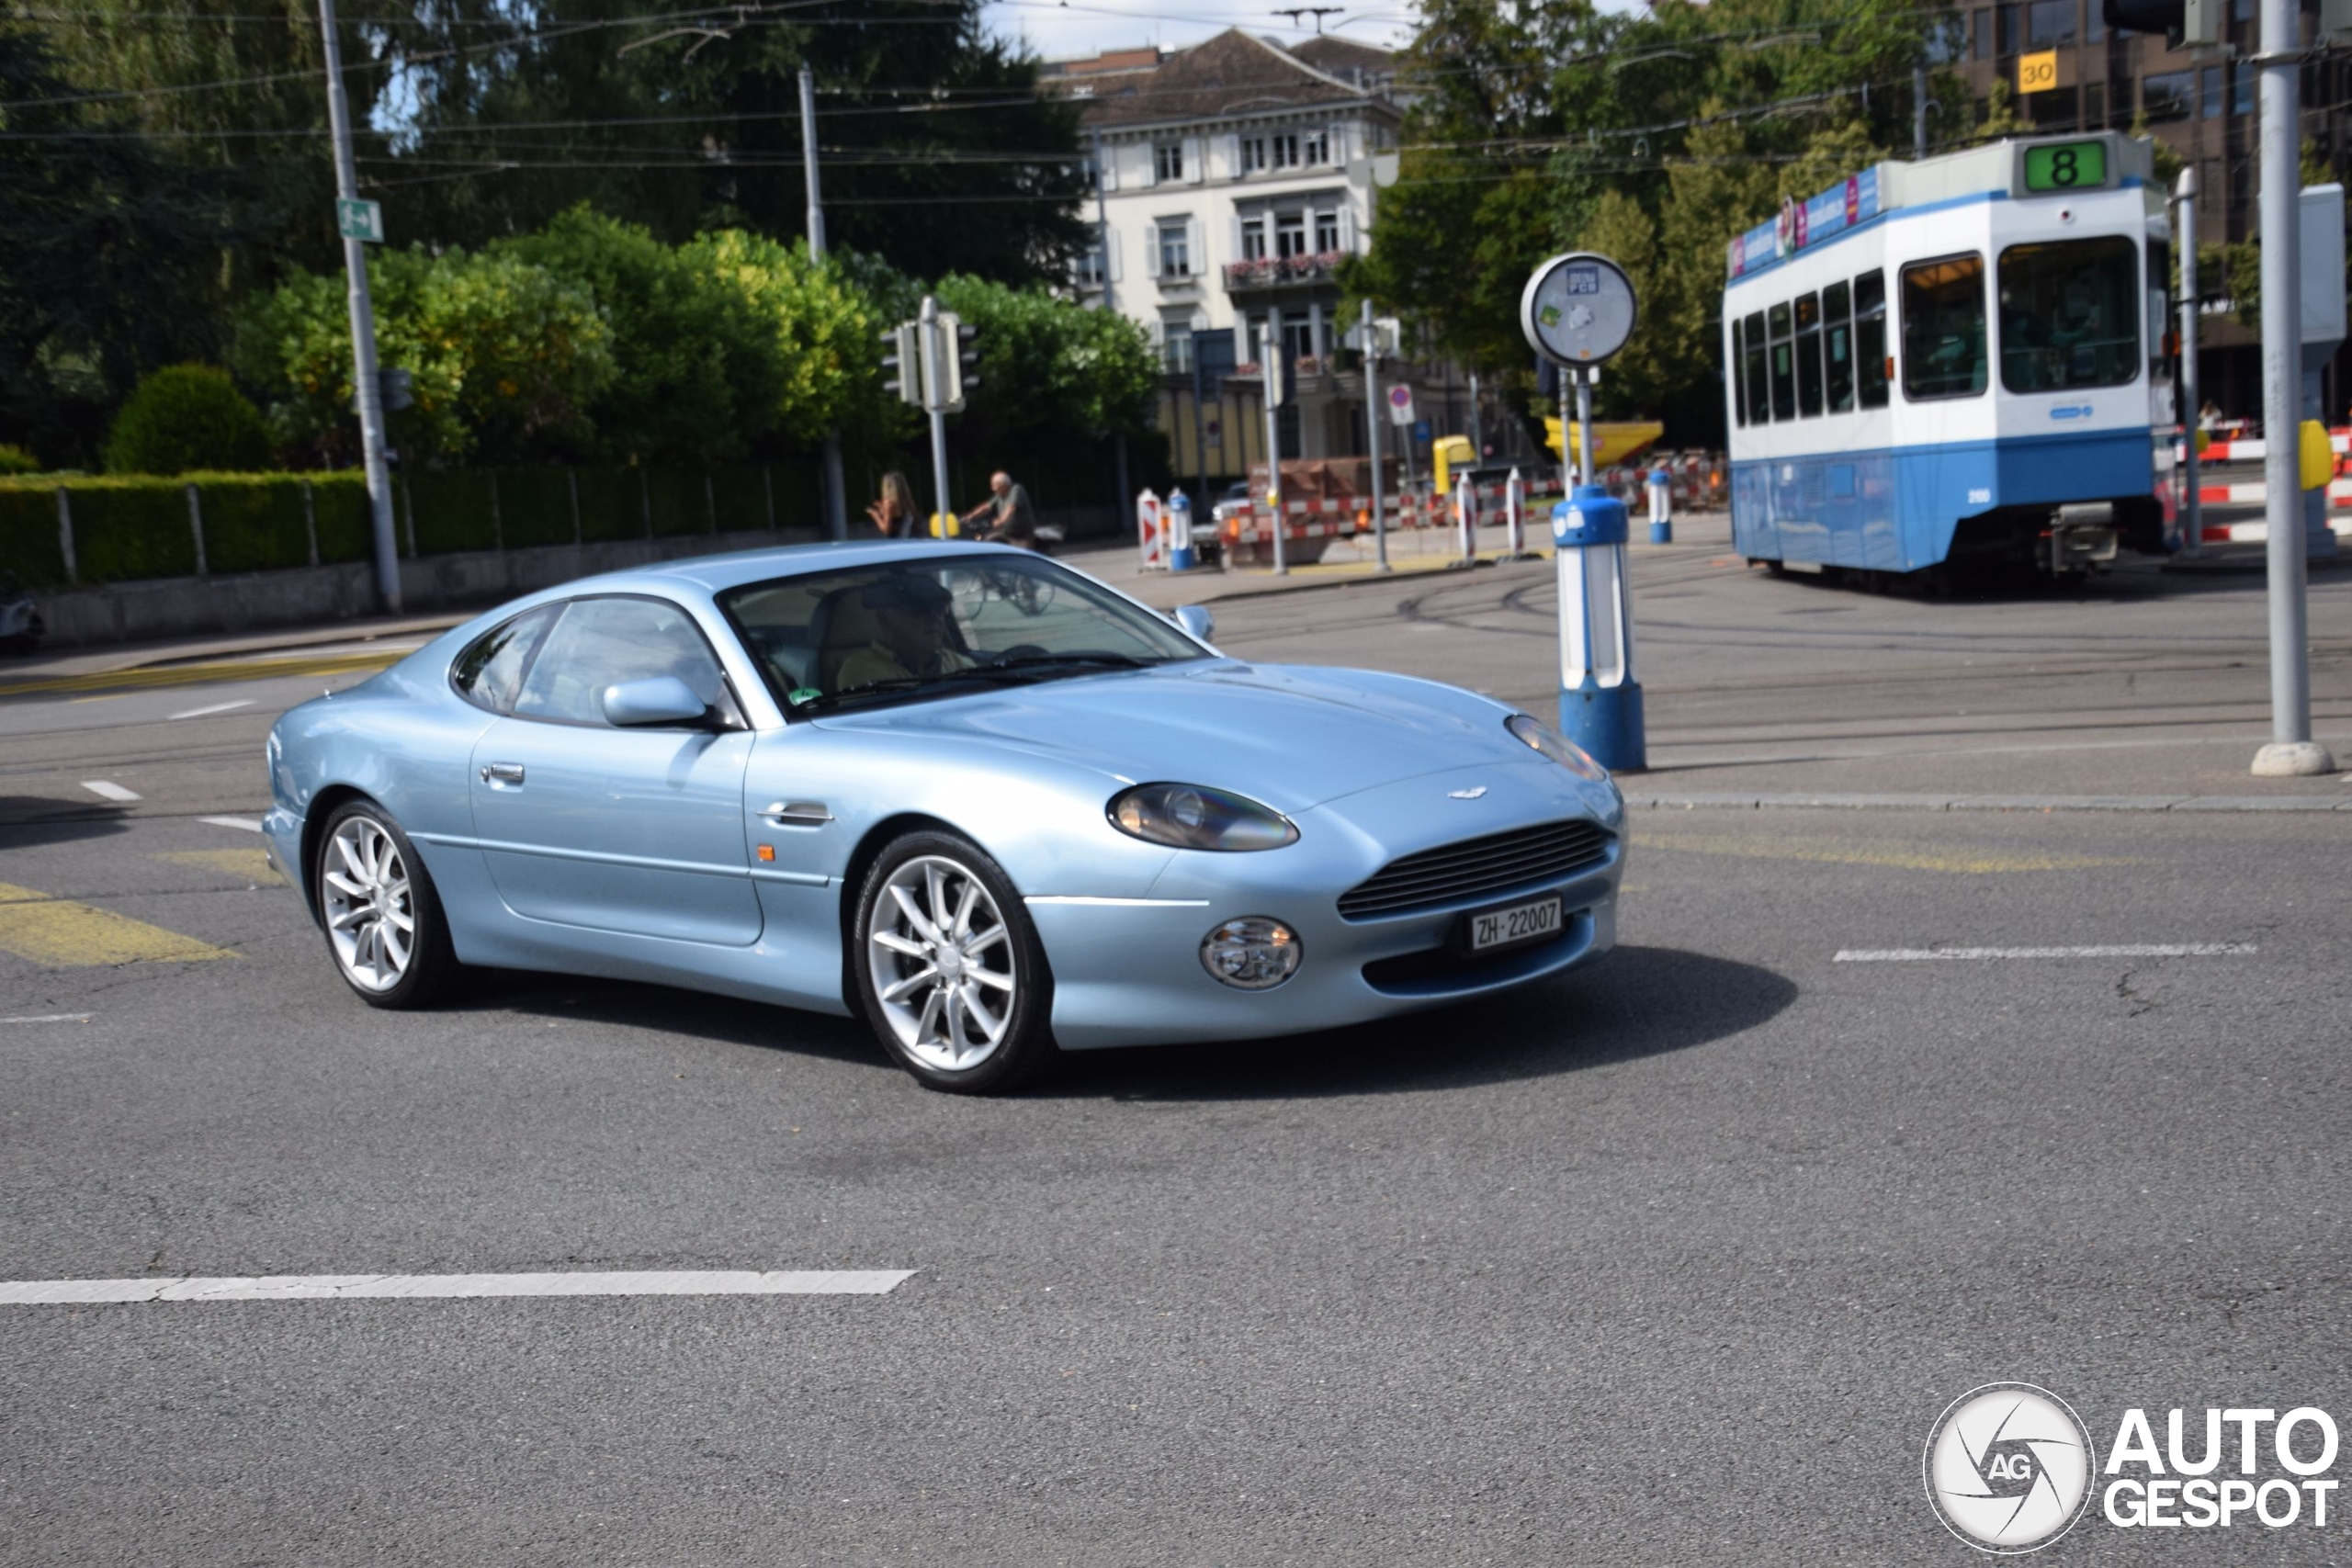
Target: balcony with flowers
{"type": "Point", "coordinates": [1305, 270]}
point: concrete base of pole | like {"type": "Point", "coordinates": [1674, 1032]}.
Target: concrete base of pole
{"type": "Point", "coordinates": [2292, 759]}
{"type": "Point", "coordinates": [1661, 533]}
{"type": "Point", "coordinates": [1607, 722]}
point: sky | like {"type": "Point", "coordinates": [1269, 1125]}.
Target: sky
{"type": "Point", "coordinates": [1062, 29]}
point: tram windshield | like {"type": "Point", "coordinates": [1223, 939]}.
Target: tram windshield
{"type": "Point", "coordinates": [2069, 315]}
{"type": "Point", "coordinates": [1943, 328]}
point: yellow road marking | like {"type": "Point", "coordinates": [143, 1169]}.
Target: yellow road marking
{"type": "Point", "coordinates": [252, 864]}
{"type": "Point", "coordinates": [202, 674]}
{"type": "Point", "coordinates": [61, 934]}
{"type": "Point", "coordinates": [1957, 860]}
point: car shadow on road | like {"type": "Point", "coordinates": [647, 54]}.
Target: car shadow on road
{"type": "Point", "coordinates": [26, 820]}
{"type": "Point", "coordinates": [633, 1004]}
{"type": "Point", "coordinates": [1639, 1001]}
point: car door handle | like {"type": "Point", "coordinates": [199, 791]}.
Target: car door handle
{"type": "Point", "coordinates": [502, 773]}
{"type": "Point", "coordinates": [799, 812]}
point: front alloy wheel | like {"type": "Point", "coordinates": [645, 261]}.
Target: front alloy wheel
{"type": "Point", "coordinates": [382, 920]}
{"type": "Point", "coordinates": [952, 973]}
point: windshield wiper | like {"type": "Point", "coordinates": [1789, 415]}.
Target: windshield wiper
{"type": "Point", "coordinates": [895, 684]}
{"type": "Point", "coordinates": [1048, 660]}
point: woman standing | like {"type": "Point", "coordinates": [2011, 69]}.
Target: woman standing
{"type": "Point", "coordinates": [894, 513]}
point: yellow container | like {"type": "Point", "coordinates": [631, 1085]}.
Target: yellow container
{"type": "Point", "coordinates": [2317, 457]}
{"type": "Point", "coordinates": [1451, 452]}
{"type": "Point", "coordinates": [1613, 441]}
{"type": "Point", "coordinates": [946, 525]}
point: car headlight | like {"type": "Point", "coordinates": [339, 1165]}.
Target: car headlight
{"type": "Point", "coordinates": [1195, 817]}
{"type": "Point", "coordinates": [1541, 737]}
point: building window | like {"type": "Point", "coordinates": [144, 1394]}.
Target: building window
{"type": "Point", "coordinates": [2210, 83]}
{"type": "Point", "coordinates": [2168, 94]}
{"type": "Point", "coordinates": [2005, 32]}
{"type": "Point", "coordinates": [1175, 247]}
{"type": "Point", "coordinates": [2049, 24]}
{"type": "Point", "coordinates": [1983, 31]}
{"type": "Point", "coordinates": [2052, 111]}
{"type": "Point", "coordinates": [1326, 232]}
{"type": "Point", "coordinates": [1254, 335]}
{"type": "Point", "coordinates": [1285, 149]}
{"type": "Point", "coordinates": [1315, 147]}
{"type": "Point", "coordinates": [2241, 88]}
{"type": "Point", "coordinates": [1298, 335]}
{"type": "Point", "coordinates": [1089, 270]}
{"type": "Point", "coordinates": [1290, 234]}
{"type": "Point", "coordinates": [1168, 160]}
{"type": "Point", "coordinates": [2094, 23]}
{"type": "Point", "coordinates": [1176, 348]}
{"type": "Point", "coordinates": [1253, 154]}
{"type": "Point", "coordinates": [1253, 239]}
{"type": "Point", "coordinates": [2094, 105]}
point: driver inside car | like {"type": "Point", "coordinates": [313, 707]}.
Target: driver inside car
{"type": "Point", "coordinates": [910, 618]}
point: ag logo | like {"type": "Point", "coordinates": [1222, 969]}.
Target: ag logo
{"type": "Point", "coordinates": [2009, 1468]}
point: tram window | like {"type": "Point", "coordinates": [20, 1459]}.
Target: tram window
{"type": "Point", "coordinates": [1943, 328]}
{"type": "Point", "coordinates": [1808, 313]}
{"type": "Point", "coordinates": [2069, 315]}
{"type": "Point", "coordinates": [2160, 313]}
{"type": "Point", "coordinates": [1869, 339]}
{"type": "Point", "coordinates": [1784, 366]}
{"type": "Point", "coordinates": [1738, 373]}
{"type": "Point", "coordinates": [1838, 346]}
{"type": "Point", "coordinates": [1760, 397]}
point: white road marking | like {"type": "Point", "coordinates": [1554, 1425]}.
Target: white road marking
{"type": "Point", "coordinates": [107, 789]}
{"type": "Point", "coordinates": [52, 1017]}
{"type": "Point", "coordinates": [250, 824]}
{"type": "Point", "coordinates": [357, 1287]}
{"type": "Point", "coordinates": [2123, 949]}
{"type": "Point", "coordinates": [216, 707]}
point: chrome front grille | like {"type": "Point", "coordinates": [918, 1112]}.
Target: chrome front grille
{"type": "Point", "coordinates": [1476, 867]}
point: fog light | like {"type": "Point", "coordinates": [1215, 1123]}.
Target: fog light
{"type": "Point", "coordinates": [1254, 953]}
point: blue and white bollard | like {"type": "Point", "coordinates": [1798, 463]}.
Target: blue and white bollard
{"type": "Point", "coordinates": [1600, 702]}
{"type": "Point", "coordinates": [1661, 507]}
{"type": "Point", "coordinates": [1180, 531]}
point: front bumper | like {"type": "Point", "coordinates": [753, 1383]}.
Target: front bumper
{"type": "Point", "coordinates": [1127, 971]}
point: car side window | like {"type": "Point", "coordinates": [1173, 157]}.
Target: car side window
{"type": "Point", "coordinates": [490, 673]}
{"type": "Point", "coordinates": [601, 642]}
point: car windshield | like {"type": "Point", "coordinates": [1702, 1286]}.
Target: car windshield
{"type": "Point", "coordinates": [938, 625]}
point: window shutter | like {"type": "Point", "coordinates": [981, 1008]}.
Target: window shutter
{"type": "Point", "coordinates": [1109, 173]}
{"type": "Point", "coordinates": [1150, 165]}
{"type": "Point", "coordinates": [1338, 147]}
{"type": "Point", "coordinates": [1110, 244]}
{"type": "Point", "coordinates": [1196, 245]}
{"type": "Point", "coordinates": [1347, 227]}
{"type": "Point", "coordinates": [1195, 153]}
{"type": "Point", "coordinates": [1233, 235]}
{"type": "Point", "coordinates": [1232, 157]}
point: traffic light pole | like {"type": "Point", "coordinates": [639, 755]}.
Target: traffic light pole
{"type": "Point", "coordinates": [836, 489]}
{"type": "Point", "coordinates": [1373, 415]}
{"type": "Point", "coordinates": [363, 331]}
{"type": "Point", "coordinates": [2187, 390]}
{"type": "Point", "coordinates": [2291, 751]}
{"type": "Point", "coordinates": [933, 371]}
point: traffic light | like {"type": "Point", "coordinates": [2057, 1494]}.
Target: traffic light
{"type": "Point", "coordinates": [904, 364]}
{"type": "Point", "coordinates": [968, 359]}
{"type": "Point", "coordinates": [2186, 24]}
{"type": "Point", "coordinates": [955, 360]}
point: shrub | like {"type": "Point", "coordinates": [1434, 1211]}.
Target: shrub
{"type": "Point", "coordinates": [184, 418]}
{"type": "Point", "coordinates": [17, 460]}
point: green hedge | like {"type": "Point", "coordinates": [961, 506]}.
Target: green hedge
{"type": "Point", "coordinates": [132, 527]}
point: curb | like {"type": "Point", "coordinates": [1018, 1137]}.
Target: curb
{"type": "Point", "coordinates": [2196, 803]}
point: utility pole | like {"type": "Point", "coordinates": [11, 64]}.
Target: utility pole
{"type": "Point", "coordinates": [2291, 751]}
{"type": "Point", "coordinates": [1275, 378]}
{"type": "Point", "coordinates": [1103, 261]}
{"type": "Point", "coordinates": [836, 496]}
{"type": "Point", "coordinates": [2183, 239]}
{"type": "Point", "coordinates": [1374, 412]}
{"type": "Point", "coordinates": [1919, 110]}
{"type": "Point", "coordinates": [363, 328]}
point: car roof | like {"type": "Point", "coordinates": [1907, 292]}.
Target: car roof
{"type": "Point", "coordinates": [715, 575]}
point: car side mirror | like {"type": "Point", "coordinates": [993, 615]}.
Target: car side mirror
{"type": "Point", "coordinates": [1196, 621]}
{"type": "Point", "coordinates": [662, 699]}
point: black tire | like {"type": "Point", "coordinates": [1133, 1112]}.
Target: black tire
{"type": "Point", "coordinates": [432, 964]}
{"type": "Point", "coordinates": [1025, 1042]}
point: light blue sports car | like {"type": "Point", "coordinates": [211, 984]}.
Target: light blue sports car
{"type": "Point", "coordinates": [981, 799]}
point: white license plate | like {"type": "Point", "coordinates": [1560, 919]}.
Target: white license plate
{"type": "Point", "coordinates": [1520, 923]}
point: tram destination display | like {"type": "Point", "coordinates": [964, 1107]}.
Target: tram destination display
{"type": "Point", "coordinates": [2054, 166]}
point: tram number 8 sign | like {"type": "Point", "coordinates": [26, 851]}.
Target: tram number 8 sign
{"type": "Point", "coordinates": [2067, 165]}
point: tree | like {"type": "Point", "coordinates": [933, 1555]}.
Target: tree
{"type": "Point", "coordinates": [186, 417]}
{"type": "Point", "coordinates": [112, 257]}
{"type": "Point", "coordinates": [506, 358]}
{"type": "Point", "coordinates": [940, 156]}
{"type": "Point", "coordinates": [824, 323]}
{"type": "Point", "coordinates": [1048, 365]}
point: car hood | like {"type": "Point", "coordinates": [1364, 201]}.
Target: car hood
{"type": "Point", "coordinates": [1290, 736]}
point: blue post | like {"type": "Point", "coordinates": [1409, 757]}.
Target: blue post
{"type": "Point", "coordinates": [1600, 702]}
{"type": "Point", "coordinates": [1180, 531]}
{"type": "Point", "coordinates": [1661, 507]}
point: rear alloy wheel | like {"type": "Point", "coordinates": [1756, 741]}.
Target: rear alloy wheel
{"type": "Point", "coordinates": [382, 918]}
{"type": "Point", "coordinates": [949, 967]}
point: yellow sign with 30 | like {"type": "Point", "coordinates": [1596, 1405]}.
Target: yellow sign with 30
{"type": "Point", "coordinates": [2038, 72]}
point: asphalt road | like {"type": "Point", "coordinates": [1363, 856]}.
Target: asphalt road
{"type": "Point", "coordinates": [1671, 1261]}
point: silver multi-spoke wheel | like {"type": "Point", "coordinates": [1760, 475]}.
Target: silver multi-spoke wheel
{"type": "Point", "coordinates": [370, 904]}
{"type": "Point", "coordinates": [941, 958]}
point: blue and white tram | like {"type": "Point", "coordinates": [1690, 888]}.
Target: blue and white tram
{"type": "Point", "coordinates": [1960, 360]}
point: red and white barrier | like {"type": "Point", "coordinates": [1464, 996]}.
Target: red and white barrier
{"type": "Point", "coordinates": [2259, 533]}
